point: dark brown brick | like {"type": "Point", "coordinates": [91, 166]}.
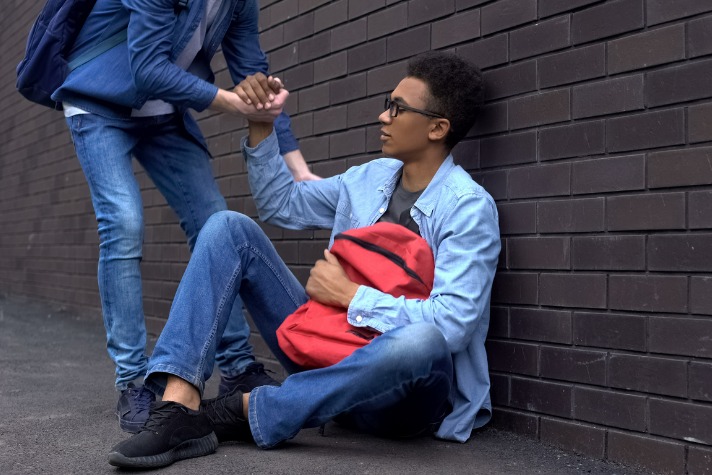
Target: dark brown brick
{"type": "Point", "coordinates": [572, 66]}
{"type": "Point", "coordinates": [358, 8]}
{"type": "Point", "coordinates": [499, 389]}
{"type": "Point", "coordinates": [539, 38]}
{"type": "Point", "coordinates": [287, 9]}
{"type": "Point", "coordinates": [512, 357]}
{"type": "Point", "coordinates": [645, 131]}
{"type": "Point", "coordinates": [517, 218]}
{"type": "Point", "coordinates": [661, 456]}
{"type": "Point", "coordinates": [464, 4]}
{"type": "Point", "coordinates": [608, 97]}
{"type": "Point", "coordinates": [699, 37]}
{"type": "Point", "coordinates": [608, 174]}
{"type": "Point", "coordinates": [698, 123]}
{"type": "Point", "coordinates": [299, 77]}
{"type": "Point", "coordinates": [386, 78]}
{"type": "Point", "coordinates": [486, 52]}
{"type": "Point", "coordinates": [537, 181]}
{"type": "Point", "coordinates": [573, 290]}
{"type": "Point", "coordinates": [505, 14]}
{"type": "Point", "coordinates": [387, 21]}
{"type": "Point", "coordinates": [421, 11]}
{"type": "Point", "coordinates": [539, 253]}
{"type": "Point", "coordinates": [570, 216]}
{"type": "Point", "coordinates": [680, 336]}
{"type": "Point", "coordinates": [646, 212]}
{"type": "Point", "coordinates": [494, 182]}
{"type": "Point", "coordinates": [678, 420]}
{"type": "Point", "coordinates": [456, 29]}
{"type": "Point", "coordinates": [365, 112]}
{"type": "Point", "coordinates": [272, 38]}
{"type": "Point", "coordinates": [366, 56]}
{"type": "Point", "coordinates": [315, 47]}
{"type": "Point", "coordinates": [350, 34]}
{"type": "Point", "coordinates": [701, 295]}
{"type": "Point", "coordinates": [575, 140]}
{"type": "Point", "coordinates": [508, 149]}
{"type": "Point", "coordinates": [607, 19]}
{"type": "Point", "coordinates": [499, 322]}
{"type": "Point", "coordinates": [660, 46]}
{"type": "Point", "coordinates": [491, 119]}
{"type": "Point", "coordinates": [648, 293]}
{"type": "Point", "coordinates": [515, 288]}
{"type": "Point", "coordinates": [551, 7]}
{"type": "Point", "coordinates": [579, 438]}
{"type": "Point", "coordinates": [330, 15]}
{"type": "Point", "coordinates": [660, 11]}
{"type": "Point", "coordinates": [680, 252]}
{"type": "Point", "coordinates": [351, 142]}
{"type": "Point", "coordinates": [313, 98]}
{"type": "Point", "coordinates": [615, 409]}
{"type": "Point", "coordinates": [330, 67]}
{"type": "Point", "coordinates": [680, 167]}
{"type": "Point", "coordinates": [699, 461]}
{"type": "Point", "coordinates": [408, 43]}
{"type": "Point", "coordinates": [648, 374]}
{"type": "Point", "coordinates": [700, 382]}
{"type": "Point", "coordinates": [610, 330]}
{"type": "Point", "coordinates": [609, 253]}
{"type": "Point", "coordinates": [510, 80]}
{"type": "Point", "coordinates": [515, 421]}
{"type": "Point", "coordinates": [467, 154]}
{"type": "Point", "coordinates": [299, 28]}
{"type": "Point", "coordinates": [540, 325]}
{"type": "Point", "coordinates": [578, 366]}
{"type": "Point", "coordinates": [541, 396]}
{"type": "Point", "coordinates": [348, 89]}
{"type": "Point", "coordinates": [541, 108]}
{"type": "Point", "coordinates": [662, 86]}
{"type": "Point", "coordinates": [330, 119]}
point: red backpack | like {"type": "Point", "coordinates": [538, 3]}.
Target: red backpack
{"type": "Point", "coordinates": [385, 256]}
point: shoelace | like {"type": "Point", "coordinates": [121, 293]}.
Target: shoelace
{"type": "Point", "coordinates": [219, 413]}
{"type": "Point", "coordinates": [143, 398]}
{"type": "Point", "coordinates": [155, 420]}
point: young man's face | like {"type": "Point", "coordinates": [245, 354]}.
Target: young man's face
{"type": "Point", "coordinates": [405, 136]}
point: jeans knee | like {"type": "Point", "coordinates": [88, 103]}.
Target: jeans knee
{"type": "Point", "coordinates": [417, 341]}
{"type": "Point", "coordinates": [121, 234]}
{"type": "Point", "coordinates": [228, 223]}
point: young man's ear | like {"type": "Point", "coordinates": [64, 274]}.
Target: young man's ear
{"type": "Point", "coordinates": [439, 129]}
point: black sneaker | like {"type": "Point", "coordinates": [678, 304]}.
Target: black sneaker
{"type": "Point", "coordinates": [172, 432]}
{"type": "Point", "coordinates": [225, 415]}
{"type": "Point", "coordinates": [253, 376]}
{"type": "Point", "coordinates": [133, 406]}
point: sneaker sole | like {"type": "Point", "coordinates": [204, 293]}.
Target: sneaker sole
{"type": "Point", "coordinates": [188, 449]}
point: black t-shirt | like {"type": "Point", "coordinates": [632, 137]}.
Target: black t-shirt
{"type": "Point", "coordinates": [398, 211]}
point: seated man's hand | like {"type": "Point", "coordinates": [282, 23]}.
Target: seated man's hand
{"type": "Point", "coordinates": [329, 284]}
{"type": "Point", "coordinates": [259, 90]}
{"type": "Point", "coordinates": [231, 103]}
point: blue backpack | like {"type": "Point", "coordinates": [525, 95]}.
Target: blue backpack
{"type": "Point", "coordinates": [47, 60]}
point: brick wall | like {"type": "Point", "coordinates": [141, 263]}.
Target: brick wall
{"type": "Point", "coordinates": [596, 142]}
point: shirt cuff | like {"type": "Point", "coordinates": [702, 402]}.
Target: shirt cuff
{"type": "Point", "coordinates": [360, 312]}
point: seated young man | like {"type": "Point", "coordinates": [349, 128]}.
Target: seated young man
{"type": "Point", "coordinates": [427, 373]}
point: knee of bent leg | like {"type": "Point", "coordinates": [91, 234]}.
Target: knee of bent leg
{"type": "Point", "coordinates": [417, 340]}
{"type": "Point", "coordinates": [224, 223]}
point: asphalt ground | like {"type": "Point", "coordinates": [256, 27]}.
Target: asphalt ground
{"type": "Point", "coordinates": [57, 404]}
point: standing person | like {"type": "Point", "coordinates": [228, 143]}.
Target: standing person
{"type": "Point", "coordinates": [427, 372]}
{"type": "Point", "coordinates": [133, 101]}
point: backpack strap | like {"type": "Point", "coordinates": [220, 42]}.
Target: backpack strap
{"type": "Point", "coordinates": [96, 50]}
{"type": "Point", "coordinates": [108, 43]}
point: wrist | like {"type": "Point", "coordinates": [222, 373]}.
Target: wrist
{"type": "Point", "coordinates": [258, 131]}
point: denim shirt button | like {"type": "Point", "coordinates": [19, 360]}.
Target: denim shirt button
{"type": "Point", "coordinates": [359, 318]}
{"type": "Point", "coordinates": [381, 210]}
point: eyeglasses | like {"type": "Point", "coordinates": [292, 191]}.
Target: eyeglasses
{"type": "Point", "coordinates": [394, 108]}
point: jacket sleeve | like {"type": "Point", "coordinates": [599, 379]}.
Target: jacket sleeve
{"type": "Point", "coordinates": [244, 56]}
{"type": "Point", "coordinates": [466, 250]}
{"type": "Point", "coordinates": [279, 199]}
{"type": "Point", "coordinates": [150, 44]}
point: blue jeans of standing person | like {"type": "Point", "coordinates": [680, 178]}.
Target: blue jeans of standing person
{"type": "Point", "coordinates": [180, 168]}
{"type": "Point", "coordinates": [397, 385]}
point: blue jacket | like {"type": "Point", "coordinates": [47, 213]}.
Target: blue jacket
{"type": "Point", "coordinates": [142, 67]}
{"type": "Point", "coordinates": [457, 218]}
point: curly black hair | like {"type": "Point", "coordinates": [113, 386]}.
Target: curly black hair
{"type": "Point", "coordinates": [456, 90]}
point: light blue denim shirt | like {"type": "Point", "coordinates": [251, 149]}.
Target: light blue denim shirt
{"type": "Point", "coordinates": [457, 218]}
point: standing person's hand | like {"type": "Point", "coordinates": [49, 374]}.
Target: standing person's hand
{"type": "Point", "coordinates": [259, 90]}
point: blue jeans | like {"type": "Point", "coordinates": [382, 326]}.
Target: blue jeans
{"type": "Point", "coordinates": [180, 168]}
{"type": "Point", "coordinates": [398, 385]}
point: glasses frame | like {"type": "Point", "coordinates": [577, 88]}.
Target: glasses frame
{"type": "Point", "coordinates": [394, 109]}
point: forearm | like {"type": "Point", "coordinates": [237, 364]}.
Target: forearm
{"type": "Point", "coordinates": [258, 131]}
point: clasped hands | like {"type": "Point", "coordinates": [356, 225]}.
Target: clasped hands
{"type": "Point", "coordinates": [258, 98]}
